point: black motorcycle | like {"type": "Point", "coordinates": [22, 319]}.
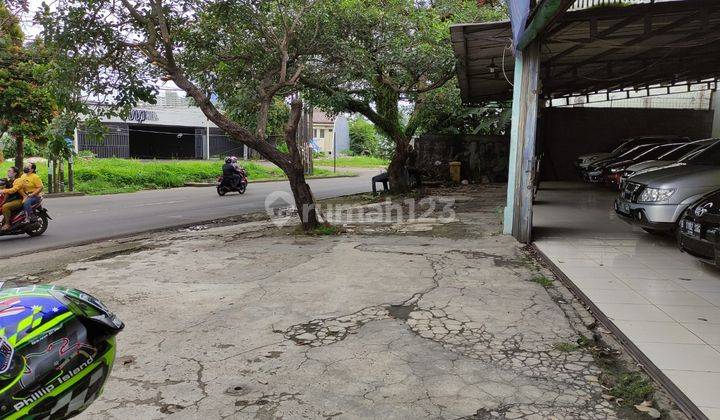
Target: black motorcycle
{"type": "Point", "coordinates": [225, 186]}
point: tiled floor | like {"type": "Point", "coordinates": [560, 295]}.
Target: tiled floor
{"type": "Point", "coordinates": [666, 302]}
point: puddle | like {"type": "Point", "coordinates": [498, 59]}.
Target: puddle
{"type": "Point", "coordinates": [400, 311]}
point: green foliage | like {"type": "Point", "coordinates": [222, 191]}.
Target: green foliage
{"type": "Point", "coordinates": [365, 140]}
{"type": "Point", "coordinates": [388, 52]}
{"type": "Point", "coordinates": [353, 162]}
{"type": "Point", "coordinates": [110, 176]}
{"type": "Point", "coordinates": [566, 347]}
{"type": "Point", "coordinates": [243, 109]}
{"type": "Point", "coordinates": [30, 148]}
{"type": "Point", "coordinates": [543, 281]}
{"type": "Point", "coordinates": [26, 103]}
{"type": "Point", "coordinates": [442, 112]}
{"type": "Point", "coordinates": [326, 229]}
{"type": "Point", "coordinates": [363, 137]}
{"type": "Point", "coordinates": [633, 388]}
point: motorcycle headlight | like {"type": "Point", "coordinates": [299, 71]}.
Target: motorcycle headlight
{"type": "Point", "coordinates": [616, 170]}
{"type": "Point", "coordinates": [655, 195]}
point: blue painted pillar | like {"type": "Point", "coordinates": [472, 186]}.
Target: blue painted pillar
{"type": "Point", "coordinates": [518, 210]}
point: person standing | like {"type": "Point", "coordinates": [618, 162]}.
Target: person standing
{"type": "Point", "coordinates": [33, 186]}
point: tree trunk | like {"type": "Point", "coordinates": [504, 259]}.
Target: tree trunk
{"type": "Point", "coordinates": [20, 151]}
{"type": "Point", "coordinates": [304, 199]}
{"type": "Point", "coordinates": [396, 169]}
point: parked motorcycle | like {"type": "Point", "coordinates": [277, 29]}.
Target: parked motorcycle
{"type": "Point", "coordinates": [225, 186]}
{"type": "Point", "coordinates": [33, 229]}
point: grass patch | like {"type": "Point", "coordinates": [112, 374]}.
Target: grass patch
{"type": "Point", "coordinates": [543, 281]}
{"type": "Point", "coordinates": [633, 388]}
{"type": "Point", "coordinates": [325, 229]}
{"type": "Point", "coordinates": [111, 176]}
{"type": "Point", "coordinates": [354, 162]}
{"type": "Point", "coordinates": [566, 347]}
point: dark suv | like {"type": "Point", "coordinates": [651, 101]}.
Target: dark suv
{"type": "Point", "coordinates": [699, 233]}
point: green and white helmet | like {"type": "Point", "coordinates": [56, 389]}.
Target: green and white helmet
{"type": "Point", "coordinates": [57, 347]}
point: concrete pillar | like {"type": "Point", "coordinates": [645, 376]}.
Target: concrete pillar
{"type": "Point", "coordinates": [518, 211]}
{"type": "Point", "coordinates": [715, 106]}
{"type": "Point", "coordinates": [76, 141]}
{"type": "Point", "coordinates": [206, 141]}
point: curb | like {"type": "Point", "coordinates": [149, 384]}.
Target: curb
{"type": "Point", "coordinates": [64, 194]}
{"type": "Point", "coordinates": [263, 181]}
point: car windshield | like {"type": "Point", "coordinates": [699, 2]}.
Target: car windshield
{"type": "Point", "coordinates": [681, 151]}
{"type": "Point", "coordinates": [637, 151]}
{"type": "Point", "coordinates": [655, 152]}
{"type": "Point", "coordinates": [710, 156]}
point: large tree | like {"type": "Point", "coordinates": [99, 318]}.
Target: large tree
{"type": "Point", "coordinates": [241, 51]}
{"type": "Point", "coordinates": [386, 55]}
{"type": "Point", "coordinates": [26, 103]}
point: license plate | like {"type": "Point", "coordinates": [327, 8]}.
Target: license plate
{"type": "Point", "coordinates": [691, 228]}
{"type": "Point", "coordinates": [624, 207]}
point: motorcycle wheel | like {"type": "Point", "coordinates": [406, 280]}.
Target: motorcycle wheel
{"type": "Point", "coordinates": [221, 191]}
{"type": "Point", "coordinates": [40, 228]}
{"type": "Point", "coordinates": [242, 188]}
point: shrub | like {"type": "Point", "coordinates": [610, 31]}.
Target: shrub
{"type": "Point", "coordinates": [30, 147]}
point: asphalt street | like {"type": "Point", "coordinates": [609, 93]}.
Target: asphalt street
{"type": "Point", "coordinates": [78, 220]}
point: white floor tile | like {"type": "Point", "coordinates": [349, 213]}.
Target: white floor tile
{"type": "Point", "coordinates": [701, 387]}
{"type": "Point", "coordinates": [618, 295]}
{"type": "Point", "coordinates": [669, 297]}
{"type": "Point", "coordinates": [690, 357]}
{"type": "Point", "coordinates": [709, 314]}
{"type": "Point", "coordinates": [712, 297]}
{"type": "Point", "coordinates": [709, 333]}
{"type": "Point", "coordinates": [629, 312]}
{"type": "Point", "coordinates": [711, 413]}
{"type": "Point", "coordinates": [636, 272]}
{"type": "Point", "coordinates": [642, 285]}
{"type": "Point", "coordinates": [606, 284]}
{"type": "Point", "coordinates": [657, 332]}
{"type": "Point", "coordinates": [701, 285]}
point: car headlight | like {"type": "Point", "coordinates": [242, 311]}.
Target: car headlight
{"type": "Point", "coordinates": [655, 195]}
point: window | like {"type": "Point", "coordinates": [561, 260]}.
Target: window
{"type": "Point", "coordinates": [322, 133]}
{"type": "Point", "coordinates": [315, 133]}
{"type": "Point", "coordinates": [708, 157]}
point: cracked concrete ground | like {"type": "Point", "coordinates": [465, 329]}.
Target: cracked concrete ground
{"type": "Point", "coordinates": [248, 321]}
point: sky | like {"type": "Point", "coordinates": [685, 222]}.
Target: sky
{"type": "Point", "coordinates": [31, 30]}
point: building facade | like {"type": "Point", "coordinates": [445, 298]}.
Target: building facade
{"type": "Point", "coordinates": [170, 129]}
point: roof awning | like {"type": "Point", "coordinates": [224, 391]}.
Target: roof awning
{"type": "Point", "coordinates": [597, 50]}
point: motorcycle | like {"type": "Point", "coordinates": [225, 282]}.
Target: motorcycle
{"type": "Point", "coordinates": [32, 229]}
{"type": "Point", "coordinates": [224, 186]}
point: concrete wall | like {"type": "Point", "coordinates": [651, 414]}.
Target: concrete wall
{"type": "Point", "coordinates": [715, 107]}
{"type": "Point", "coordinates": [483, 158]}
{"type": "Point", "coordinates": [566, 133]}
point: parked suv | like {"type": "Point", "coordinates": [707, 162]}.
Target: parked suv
{"type": "Point", "coordinates": [699, 233]}
{"type": "Point", "coordinates": [582, 162]}
{"type": "Point", "coordinates": [656, 200]}
{"type": "Point", "coordinates": [677, 155]}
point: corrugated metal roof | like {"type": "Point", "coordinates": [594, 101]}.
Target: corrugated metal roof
{"type": "Point", "coordinates": [597, 49]}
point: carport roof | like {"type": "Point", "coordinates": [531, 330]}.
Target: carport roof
{"type": "Point", "coordinates": [597, 50]}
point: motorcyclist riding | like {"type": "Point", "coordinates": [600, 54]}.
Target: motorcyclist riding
{"type": "Point", "coordinates": [231, 172]}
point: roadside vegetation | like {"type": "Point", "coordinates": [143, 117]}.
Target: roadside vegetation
{"type": "Point", "coordinates": [354, 162]}
{"type": "Point", "coordinates": [111, 176]}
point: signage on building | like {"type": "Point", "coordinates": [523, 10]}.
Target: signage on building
{"type": "Point", "coordinates": [141, 115]}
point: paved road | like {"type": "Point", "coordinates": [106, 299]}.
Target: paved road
{"type": "Point", "coordinates": [85, 219]}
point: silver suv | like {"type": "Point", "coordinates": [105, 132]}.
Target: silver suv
{"type": "Point", "coordinates": [656, 200]}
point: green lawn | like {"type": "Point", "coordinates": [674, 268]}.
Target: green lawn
{"type": "Point", "coordinates": [354, 162]}
{"type": "Point", "coordinates": [110, 176]}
